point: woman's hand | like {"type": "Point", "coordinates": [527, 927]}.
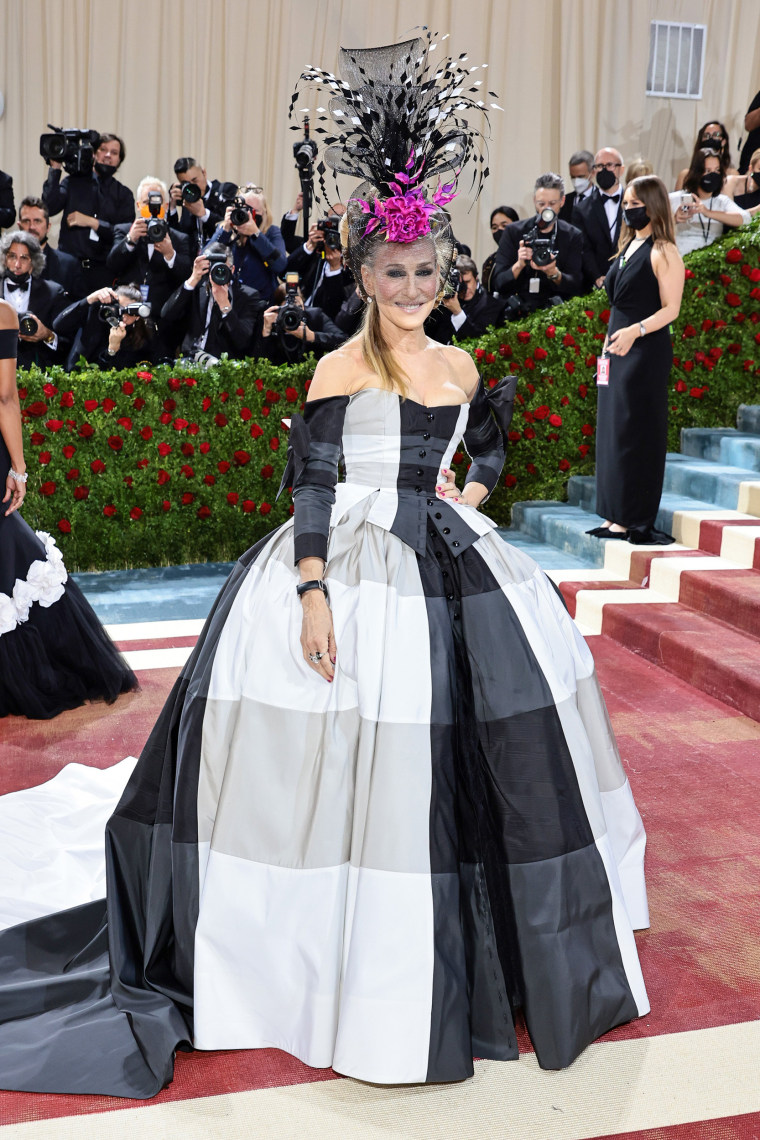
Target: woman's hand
{"type": "Point", "coordinates": [116, 336]}
{"type": "Point", "coordinates": [317, 634]}
{"type": "Point", "coordinates": [621, 341]}
{"type": "Point", "coordinates": [101, 297]}
{"type": "Point", "coordinates": [446, 488]}
{"type": "Point", "coordinates": [14, 491]}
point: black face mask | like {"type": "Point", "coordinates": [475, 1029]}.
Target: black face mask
{"type": "Point", "coordinates": [756, 175]}
{"type": "Point", "coordinates": [715, 145]}
{"type": "Point", "coordinates": [605, 179]}
{"type": "Point", "coordinates": [636, 217]}
{"type": "Point", "coordinates": [712, 183]}
{"type": "Point", "coordinates": [21, 279]}
{"type": "Point", "coordinates": [496, 235]}
{"type": "Point", "coordinates": [104, 170]}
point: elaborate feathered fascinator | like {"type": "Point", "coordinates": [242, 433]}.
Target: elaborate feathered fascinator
{"type": "Point", "coordinates": [396, 121]}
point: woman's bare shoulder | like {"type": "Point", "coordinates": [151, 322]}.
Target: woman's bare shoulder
{"type": "Point", "coordinates": [463, 367]}
{"type": "Point", "coordinates": [8, 316]}
{"type": "Point", "coordinates": [339, 373]}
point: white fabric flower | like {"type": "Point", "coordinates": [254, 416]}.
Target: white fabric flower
{"type": "Point", "coordinates": [7, 614]}
{"type": "Point", "coordinates": [44, 583]}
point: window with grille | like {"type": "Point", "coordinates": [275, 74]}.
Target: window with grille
{"type": "Point", "coordinates": [676, 60]}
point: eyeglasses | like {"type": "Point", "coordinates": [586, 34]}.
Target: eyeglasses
{"type": "Point", "coordinates": [606, 165]}
{"type": "Point", "coordinates": [249, 188]}
{"type": "Point", "coordinates": [718, 137]}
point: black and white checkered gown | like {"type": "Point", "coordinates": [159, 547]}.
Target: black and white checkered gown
{"type": "Point", "coordinates": [375, 874]}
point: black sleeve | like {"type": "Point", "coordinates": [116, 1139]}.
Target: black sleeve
{"type": "Point", "coordinates": [571, 265]}
{"type": "Point", "coordinates": [483, 443]}
{"type": "Point", "coordinates": [239, 326]}
{"type": "Point", "coordinates": [314, 490]}
{"type": "Point", "coordinates": [178, 305]}
{"type": "Point", "coordinates": [7, 207]}
{"type": "Point", "coordinates": [502, 279]}
{"type": "Point", "coordinates": [72, 318]}
{"type": "Point", "coordinates": [328, 336]}
{"type": "Point", "coordinates": [55, 192]}
{"type": "Point", "coordinates": [121, 258]}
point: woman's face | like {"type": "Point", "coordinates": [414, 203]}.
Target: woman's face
{"type": "Point", "coordinates": [499, 222]}
{"type": "Point", "coordinates": [712, 132]}
{"type": "Point", "coordinates": [403, 281]}
{"type": "Point", "coordinates": [630, 200]}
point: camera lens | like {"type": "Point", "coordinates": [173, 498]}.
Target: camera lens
{"type": "Point", "coordinates": [190, 192]}
{"type": "Point", "coordinates": [220, 273]}
{"type": "Point", "coordinates": [240, 215]}
{"type": "Point", "coordinates": [27, 325]}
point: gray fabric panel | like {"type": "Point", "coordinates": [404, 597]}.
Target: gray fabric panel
{"type": "Point", "coordinates": [575, 982]}
{"type": "Point", "coordinates": [596, 720]}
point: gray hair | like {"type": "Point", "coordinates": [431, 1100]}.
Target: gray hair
{"type": "Point", "coordinates": [581, 156]}
{"type": "Point", "coordinates": [21, 237]}
{"type": "Point", "coordinates": [150, 181]}
{"type": "Point", "coordinates": [550, 181]}
{"type": "Point", "coordinates": [466, 265]}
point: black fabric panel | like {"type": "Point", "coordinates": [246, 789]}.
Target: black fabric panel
{"type": "Point", "coordinates": [575, 983]}
{"type": "Point", "coordinates": [450, 1054]}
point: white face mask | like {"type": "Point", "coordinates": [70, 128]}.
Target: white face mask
{"type": "Point", "coordinates": [581, 185]}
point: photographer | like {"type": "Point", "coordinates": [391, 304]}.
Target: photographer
{"type": "Point", "coordinates": [151, 254]}
{"type": "Point", "coordinates": [220, 313]}
{"type": "Point", "coordinates": [92, 202]}
{"type": "Point", "coordinates": [315, 259]}
{"type": "Point", "coordinates": [539, 259]}
{"type": "Point", "coordinates": [258, 248]}
{"type": "Point", "coordinates": [109, 331]}
{"type": "Point", "coordinates": [469, 310]}
{"type": "Point", "coordinates": [292, 330]}
{"type": "Point", "coordinates": [289, 222]}
{"type": "Point", "coordinates": [202, 203]}
{"type": "Point", "coordinates": [7, 208]}
{"type": "Point", "coordinates": [37, 302]}
{"type": "Point", "coordinates": [60, 267]}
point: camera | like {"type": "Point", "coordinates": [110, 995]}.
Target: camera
{"type": "Point", "coordinates": [158, 228]}
{"type": "Point", "coordinates": [219, 271]}
{"type": "Point", "coordinates": [27, 324]}
{"type": "Point", "coordinates": [454, 284]}
{"type": "Point", "coordinates": [330, 230]}
{"type": "Point", "coordinates": [73, 148]}
{"type": "Point", "coordinates": [290, 314]}
{"type": "Point", "coordinates": [111, 312]}
{"type": "Point", "coordinates": [190, 193]}
{"type": "Point", "coordinates": [241, 212]}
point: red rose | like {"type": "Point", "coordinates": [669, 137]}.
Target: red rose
{"type": "Point", "coordinates": [49, 389]}
{"type": "Point", "coordinates": [542, 411]}
{"type": "Point", "coordinates": [531, 387]}
{"type": "Point", "coordinates": [567, 340]}
{"type": "Point", "coordinates": [128, 480]}
{"type": "Point", "coordinates": [187, 498]}
{"type": "Point", "coordinates": [271, 396]}
{"type": "Point", "coordinates": [192, 429]}
{"type": "Point", "coordinates": [241, 458]}
{"type": "Point", "coordinates": [165, 418]}
{"type": "Point", "coordinates": [224, 397]}
{"type": "Point", "coordinates": [570, 366]}
{"type": "Point", "coordinates": [696, 393]}
{"type": "Point", "coordinates": [587, 429]}
{"type": "Point", "coordinates": [490, 358]}
{"type": "Point", "coordinates": [37, 438]}
{"type": "Point", "coordinates": [166, 505]}
{"type": "Point", "coordinates": [220, 419]}
{"type": "Point", "coordinates": [163, 477]}
{"type": "Point", "coordinates": [480, 354]}
{"type": "Point", "coordinates": [72, 474]}
{"type": "Point", "coordinates": [523, 337]}
{"type": "Point", "coordinates": [555, 420]}
{"type": "Point", "coordinates": [590, 360]}
{"type": "Point", "coordinates": [206, 403]}
{"type": "Point", "coordinates": [530, 364]}
{"type": "Point", "coordinates": [514, 436]}
{"type": "Point", "coordinates": [582, 391]}
{"type": "Point", "coordinates": [755, 294]}
{"type": "Point", "coordinates": [510, 481]}
{"type": "Point", "coordinates": [505, 350]}
{"type": "Point", "coordinates": [530, 468]}
{"type": "Point", "coordinates": [680, 386]}
{"type": "Point", "coordinates": [174, 383]}
{"type": "Point", "coordinates": [109, 511]}
{"type": "Point", "coordinates": [248, 506]}
{"type": "Point", "coordinates": [267, 471]}
{"type": "Point", "coordinates": [115, 442]}
{"type": "Point", "coordinates": [246, 414]}
{"type": "Point", "coordinates": [688, 365]}
{"type": "Point", "coordinates": [291, 395]}
{"type": "Point", "coordinates": [754, 274]}
{"type": "Point", "coordinates": [127, 387]}
{"type": "Point", "coordinates": [529, 433]}
{"type": "Point", "coordinates": [565, 401]}
{"type": "Point", "coordinates": [240, 391]}
{"type": "Point", "coordinates": [274, 442]}
{"type": "Point", "coordinates": [142, 463]}
{"type": "Point", "coordinates": [551, 332]}
{"type": "Point", "coordinates": [232, 498]}
{"type": "Point", "coordinates": [223, 466]}
{"type": "Point", "coordinates": [734, 300]}
{"type": "Point", "coordinates": [688, 273]}
{"type": "Point", "coordinates": [725, 279]}
{"type": "Point", "coordinates": [528, 417]}
{"type": "Point", "coordinates": [135, 513]}
{"type": "Point", "coordinates": [81, 493]}
{"type": "Point", "coordinates": [180, 424]}
{"type": "Point", "coordinates": [748, 365]}
{"type": "Point", "coordinates": [733, 255]}
{"type": "Point", "coordinates": [37, 408]}
{"type": "Point", "coordinates": [108, 404]}
{"type": "Point", "coordinates": [590, 313]}
{"type": "Point", "coordinates": [54, 425]}
{"type": "Point", "coordinates": [553, 436]}
{"type": "Point", "coordinates": [97, 466]}
{"type": "Point", "coordinates": [90, 405]}
{"type": "Point", "coordinates": [458, 457]}
{"type": "Point", "coordinates": [604, 316]}
{"type": "Point", "coordinates": [265, 508]}
{"type": "Point", "coordinates": [204, 448]}
{"type": "Point", "coordinates": [138, 403]}
{"type": "Point", "coordinates": [720, 324]}
{"type": "Point", "coordinates": [125, 422]}
{"type": "Point", "coordinates": [144, 375]}
{"type": "Point", "coordinates": [265, 411]}
{"type": "Point", "coordinates": [187, 448]}
{"type": "Point", "coordinates": [204, 512]}
{"type": "Point", "coordinates": [68, 450]}
{"type": "Point", "coordinates": [64, 526]}
{"type": "Point", "coordinates": [186, 470]}
{"type": "Point", "coordinates": [256, 431]}
{"type": "Point", "coordinates": [164, 448]}
{"type": "Point", "coordinates": [584, 449]}
{"type": "Point", "coordinates": [67, 400]}
{"type": "Point", "coordinates": [540, 354]}
{"type": "Point", "coordinates": [209, 480]}
{"type": "Point", "coordinates": [564, 464]}
{"type": "Point", "coordinates": [47, 489]}
{"type": "Point", "coordinates": [259, 385]}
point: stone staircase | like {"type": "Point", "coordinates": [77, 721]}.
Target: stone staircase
{"type": "Point", "coordinates": [692, 608]}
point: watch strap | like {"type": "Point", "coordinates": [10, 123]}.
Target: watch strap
{"type": "Point", "coordinates": [314, 584]}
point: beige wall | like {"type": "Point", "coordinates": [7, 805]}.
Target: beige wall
{"type": "Point", "coordinates": [213, 78]}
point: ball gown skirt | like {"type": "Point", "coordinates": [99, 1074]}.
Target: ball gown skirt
{"type": "Point", "coordinates": [632, 412]}
{"type": "Point", "coordinates": [373, 874]}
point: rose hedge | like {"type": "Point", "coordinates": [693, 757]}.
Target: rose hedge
{"type": "Point", "coordinates": [168, 466]}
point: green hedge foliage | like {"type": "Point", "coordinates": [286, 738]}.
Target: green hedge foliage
{"type": "Point", "coordinates": [146, 468]}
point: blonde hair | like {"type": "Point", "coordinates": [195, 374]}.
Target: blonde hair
{"type": "Point", "coordinates": [754, 156]}
{"type": "Point", "coordinates": [266, 216]}
{"type": "Point", "coordinates": [638, 169]}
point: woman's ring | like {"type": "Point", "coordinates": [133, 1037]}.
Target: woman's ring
{"type": "Point", "coordinates": [316, 657]}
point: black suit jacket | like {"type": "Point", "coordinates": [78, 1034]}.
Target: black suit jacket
{"type": "Point", "coordinates": [46, 301]}
{"type": "Point", "coordinates": [103, 198]}
{"type": "Point", "coordinates": [305, 264]}
{"type": "Point", "coordinates": [64, 270]}
{"type": "Point", "coordinates": [480, 311]}
{"type": "Point", "coordinates": [288, 227]}
{"type": "Point", "coordinates": [133, 266]}
{"type": "Point", "coordinates": [590, 217]}
{"type": "Point", "coordinates": [7, 208]}
{"type": "Point", "coordinates": [217, 197]}
{"type": "Point", "coordinates": [286, 349]}
{"type": "Point", "coordinates": [569, 262]}
{"type": "Point", "coordinates": [233, 334]}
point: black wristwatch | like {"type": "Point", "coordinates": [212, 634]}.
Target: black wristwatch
{"type": "Point", "coordinates": [315, 584]}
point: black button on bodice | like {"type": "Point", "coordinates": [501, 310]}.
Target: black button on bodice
{"type": "Point", "coordinates": [446, 530]}
{"type": "Point", "coordinates": [445, 573]}
{"type": "Point", "coordinates": [438, 514]}
{"type": "Point", "coordinates": [420, 472]}
{"type": "Point", "coordinates": [423, 453]}
{"type": "Point", "coordinates": [430, 417]}
{"type": "Point", "coordinates": [418, 489]}
{"type": "Point", "coordinates": [455, 543]}
{"type": "Point", "coordinates": [432, 534]}
{"type": "Point", "coordinates": [431, 502]}
{"type": "Point", "coordinates": [426, 435]}
{"type": "Point", "coordinates": [450, 597]}
{"type": "Point", "coordinates": [438, 554]}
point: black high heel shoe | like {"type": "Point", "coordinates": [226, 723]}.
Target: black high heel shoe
{"type": "Point", "coordinates": [599, 531]}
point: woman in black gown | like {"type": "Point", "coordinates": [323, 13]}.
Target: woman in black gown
{"type": "Point", "coordinates": [54, 653]}
{"type": "Point", "coordinates": [644, 285]}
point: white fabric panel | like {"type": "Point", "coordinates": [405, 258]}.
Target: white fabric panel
{"type": "Point", "coordinates": [53, 856]}
{"type": "Point", "coordinates": [625, 936]}
{"type": "Point", "coordinates": [393, 656]}
{"type": "Point", "coordinates": [384, 1027]}
{"type": "Point", "coordinates": [628, 842]}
